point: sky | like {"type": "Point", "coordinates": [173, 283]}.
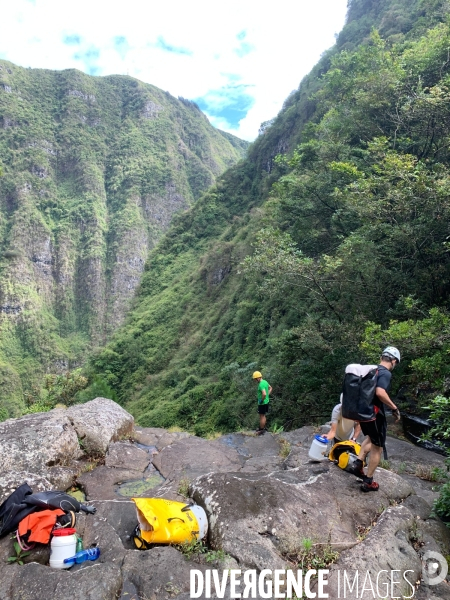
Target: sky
{"type": "Point", "coordinates": [239, 60]}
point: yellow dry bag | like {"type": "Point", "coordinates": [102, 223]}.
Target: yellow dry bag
{"type": "Point", "coordinates": [163, 521]}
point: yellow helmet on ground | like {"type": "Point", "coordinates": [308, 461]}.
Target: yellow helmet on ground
{"type": "Point", "coordinates": [257, 374]}
{"type": "Point", "coordinates": [344, 453]}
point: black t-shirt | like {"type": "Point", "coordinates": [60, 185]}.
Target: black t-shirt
{"type": "Point", "coordinates": [383, 381]}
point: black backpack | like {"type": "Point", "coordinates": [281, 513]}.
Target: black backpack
{"type": "Point", "coordinates": [22, 502]}
{"type": "Point", "coordinates": [14, 509]}
{"type": "Point", "coordinates": [358, 392]}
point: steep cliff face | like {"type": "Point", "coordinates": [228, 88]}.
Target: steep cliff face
{"type": "Point", "coordinates": [93, 171]}
{"type": "Point", "coordinates": [270, 269]}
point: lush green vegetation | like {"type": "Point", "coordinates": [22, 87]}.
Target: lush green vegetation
{"type": "Point", "coordinates": [303, 263]}
{"type": "Point", "coordinates": [92, 171]}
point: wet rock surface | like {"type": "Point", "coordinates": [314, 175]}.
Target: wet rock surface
{"type": "Point", "coordinates": [262, 495]}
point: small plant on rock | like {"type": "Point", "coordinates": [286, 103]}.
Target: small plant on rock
{"type": "Point", "coordinates": [19, 556]}
{"type": "Point", "coordinates": [191, 548]}
{"type": "Point", "coordinates": [285, 448]}
{"type": "Point", "coordinates": [183, 487]}
{"type": "Point", "coordinates": [196, 550]}
{"type": "Point", "coordinates": [276, 428]}
{"type": "Point", "coordinates": [429, 473]}
{"type": "Point", "coordinates": [306, 555]}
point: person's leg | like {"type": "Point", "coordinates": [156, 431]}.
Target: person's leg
{"type": "Point", "coordinates": [378, 438]}
{"type": "Point", "coordinates": [366, 447]}
{"type": "Point", "coordinates": [374, 460]}
{"type": "Point", "coordinates": [358, 466]}
{"type": "Point", "coordinates": [262, 421]}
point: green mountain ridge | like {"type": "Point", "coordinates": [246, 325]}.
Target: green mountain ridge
{"type": "Point", "coordinates": [300, 264]}
{"type": "Point", "coordinates": [94, 168]}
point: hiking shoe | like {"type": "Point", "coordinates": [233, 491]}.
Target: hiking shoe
{"type": "Point", "coordinates": [357, 469]}
{"type": "Point", "coordinates": [369, 486]}
{"type": "Point", "coordinates": [260, 431]}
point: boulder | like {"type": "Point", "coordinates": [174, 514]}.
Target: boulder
{"type": "Point", "coordinates": [98, 423]}
{"type": "Point", "coordinates": [158, 437]}
{"type": "Point", "coordinates": [257, 453]}
{"type": "Point", "coordinates": [254, 517]}
{"type": "Point", "coordinates": [191, 457]}
{"type": "Point", "coordinates": [11, 481]}
{"type": "Point", "coordinates": [388, 546]}
{"type": "Point", "coordinates": [124, 455]}
{"type": "Point", "coordinates": [102, 482]}
{"type": "Point", "coordinates": [38, 441]}
{"type": "Point", "coordinates": [89, 581]}
{"type": "Point", "coordinates": [158, 573]}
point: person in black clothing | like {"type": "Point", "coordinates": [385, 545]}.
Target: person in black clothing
{"type": "Point", "coordinates": [375, 431]}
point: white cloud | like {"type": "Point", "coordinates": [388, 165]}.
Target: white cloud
{"type": "Point", "coordinates": [267, 47]}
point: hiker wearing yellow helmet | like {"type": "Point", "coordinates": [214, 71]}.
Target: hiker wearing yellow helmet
{"type": "Point", "coordinates": [375, 431]}
{"type": "Point", "coordinates": [264, 391]}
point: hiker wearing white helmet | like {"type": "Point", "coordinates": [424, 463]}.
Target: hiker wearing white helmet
{"type": "Point", "coordinates": [375, 431]}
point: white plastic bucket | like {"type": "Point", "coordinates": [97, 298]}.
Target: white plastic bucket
{"type": "Point", "coordinates": [61, 547]}
{"type": "Point", "coordinates": [200, 515]}
{"type": "Point", "coordinates": [318, 448]}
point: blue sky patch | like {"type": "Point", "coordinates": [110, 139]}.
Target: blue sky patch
{"type": "Point", "coordinates": [244, 49]}
{"type": "Point", "coordinates": [121, 45]}
{"type": "Point", "coordinates": [231, 103]}
{"type": "Point", "coordinates": [89, 59]}
{"type": "Point", "coordinates": [161, 43]}
{"type": "Point", "coordinates": [72, 40]}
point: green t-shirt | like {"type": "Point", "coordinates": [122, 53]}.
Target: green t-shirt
{"type": "Point", "coordinates": [263, 385]}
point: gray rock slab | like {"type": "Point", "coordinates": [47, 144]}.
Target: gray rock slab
{"type": "Point", "coordinates": [102, 482]}
{"type": "Point", "coordinates": [100, 422]}
{"type": "Point", "coordinates": [11, 481]}
{"type": "Point", "coordinates": [98, 532]}
{"type": "Point", "coordinates": [38, 441]}
{"type": "Point", "coordinates": [119, 514]}
{"type": "Point", "coordinates": [261, 464]}
{"type": "Point", "coordinates": [158, 573]}
{"type": "Point", "coordinates": [250, 446]}
{"type": "Point", "coordinates": [258, 453]}
{"type": "Point", "coordinates": [419, 507]}
{"type": "Point", "coordinates": [300, 437]}
{"type": "Point", "coordinates": [386, 547]}
{"type": "Point", "coordinates": [190, 457]}
{"type": "Point", "coordinates": [169, 438]}
{"type": "Point", "coordinates": [94, 581]}
{"type": "Point", "coordinates": [124, 455]}
{"type": "Point", "coordinates": [405, 456]}
{"type": "Point", "coordinates": [62, 478]}
{"type": "Point", "coordinates": [8, 574]}
{"type": "Point", "coordinates": [156, 436]}
{"type": "Point", "coordinates": [297, 457]}
{"type": "Point", "coordinates": [425, 489]}
{"type": "Point", "coordinates": [253, 516]}
{"type": "Point", "coordinates": [39, 554]}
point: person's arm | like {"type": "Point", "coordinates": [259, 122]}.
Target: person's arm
{"type": "Point", "coordinates": [263, 394]}
{"type": "Point", "coordinates": [330, 435]}
{"type": "Point", "coordinates": [384, 397]}
{"type": "Point", "coordinates": [356, 431]}
{"type": "Point", "coordinates": [270, 389]}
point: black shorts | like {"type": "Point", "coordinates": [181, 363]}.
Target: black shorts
{"type": "Point", "coordinates": [376, 430]}
{"type": "Point", "coordinates": [263, 409]}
